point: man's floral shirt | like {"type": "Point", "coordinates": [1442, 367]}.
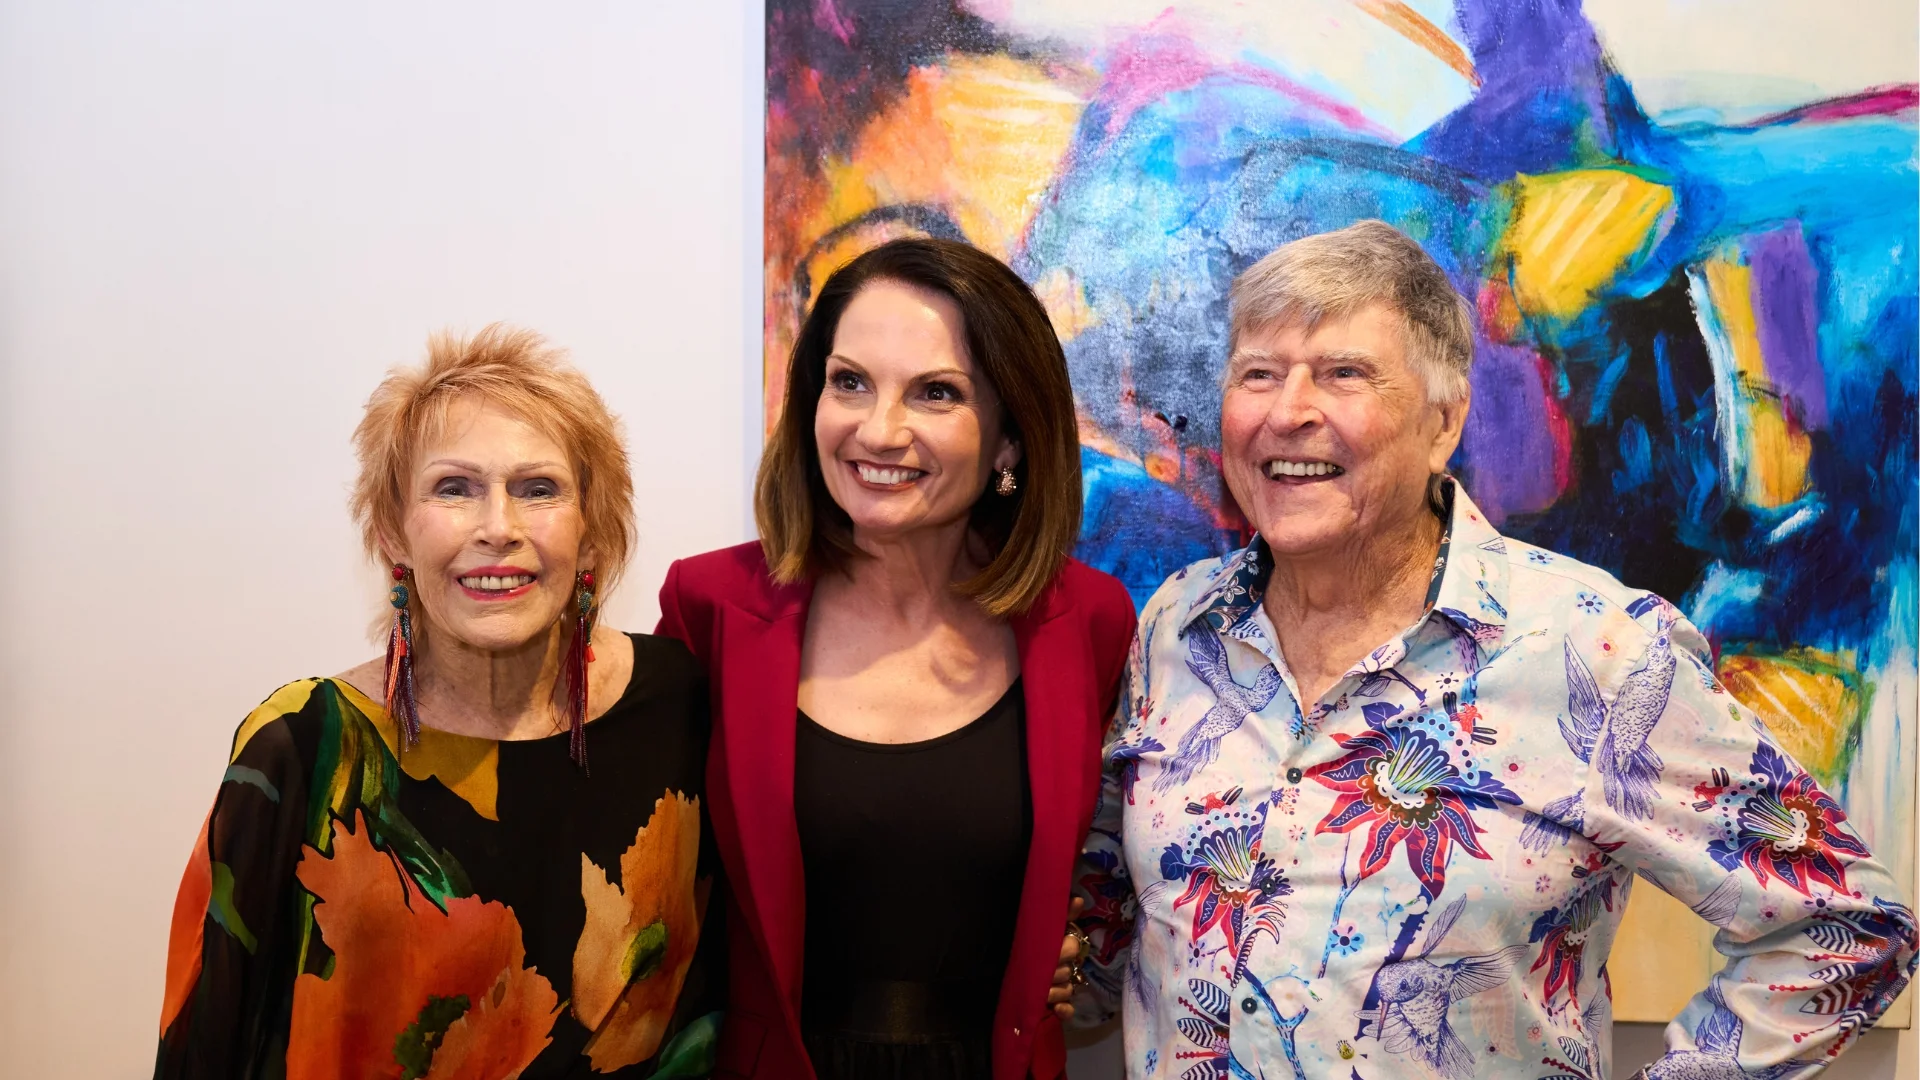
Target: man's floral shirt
{"type": "Point", "coordinates": [1422, 873]}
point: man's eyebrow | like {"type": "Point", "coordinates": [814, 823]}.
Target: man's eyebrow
{"type": "Point", "coordinates": [1250, 356]}
{"type": "Point", "coordinates": [1348, 356]}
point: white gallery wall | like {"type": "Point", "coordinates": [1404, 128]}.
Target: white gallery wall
{"type": "Point", "coordinates": [219, 224]}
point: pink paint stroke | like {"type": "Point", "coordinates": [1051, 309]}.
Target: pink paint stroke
{"type": "Point", "coordinates": [1878, 101]}
{"type": "Point", "coordinates": [1163, 60]}
{"type": "Point", "coordinates": [827, 17]}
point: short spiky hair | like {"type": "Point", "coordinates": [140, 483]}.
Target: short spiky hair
{"type": "Point", "coordinates": [1332, 275]}
{"type": "Point", "coordinates": [518, 371]}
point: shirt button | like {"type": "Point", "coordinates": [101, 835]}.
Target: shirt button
{"type": "Point", "coordinates": [1016, 1031]}
{"type": "Point", "coordinates": [1247, 1006]}
{"type": "Point", "coordinates": [1293, 775]}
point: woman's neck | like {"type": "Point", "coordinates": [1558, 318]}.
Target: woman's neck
{"type": "Point", "coordinates": [911, 575]}
{"type": "Point", "coordinates": [505, 694]}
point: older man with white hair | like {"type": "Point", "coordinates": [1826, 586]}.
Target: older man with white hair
{"type": "Point", "coordinates": [1382, 780]}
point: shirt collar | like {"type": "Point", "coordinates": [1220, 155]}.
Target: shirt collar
{"type": "Point", "coordinates": [1470, 577]}
{"type": "Point", "coordinates": [1469, 585]}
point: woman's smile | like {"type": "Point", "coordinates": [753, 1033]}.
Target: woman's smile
{"type": "Point", "coordinates": [495, 583]}
{"type": "Point", "coordinates": [885, 477]}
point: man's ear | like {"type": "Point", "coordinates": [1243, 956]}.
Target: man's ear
{"type": "Point", "coordinates": [1446, 438]}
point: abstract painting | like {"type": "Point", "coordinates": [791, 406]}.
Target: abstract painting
{"type": "Point", "coordinates": [1688, 229]}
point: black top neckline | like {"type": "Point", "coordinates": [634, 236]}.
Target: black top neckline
{"type": "Point", "coordinates": [815, 727]}
{"type": "Point", "coordinates": [628, 694]}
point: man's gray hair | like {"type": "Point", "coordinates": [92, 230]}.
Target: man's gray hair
{"type": "Point", "coordinates": [1332, 275]}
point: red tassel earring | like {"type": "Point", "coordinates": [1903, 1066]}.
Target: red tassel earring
{"type": "Point", "coordinates": [579, 655]}
{"type": "Point", "coordinates": [401, 703]}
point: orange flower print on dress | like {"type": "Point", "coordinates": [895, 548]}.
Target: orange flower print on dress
{"type": "Point", "coordinates": [639, 938]}
{"type": "Point", "coordinates": [415, 992]}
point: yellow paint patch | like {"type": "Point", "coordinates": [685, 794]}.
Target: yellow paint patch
{"type": "Point", "coordinates": [1573, 232]}
{"type": "Point", "coordinates": [290, 698]}
{"type": "Point", "coordinates": [1066, 303]}
{"type": "Point", "coordinates": [468, 766]}
{"type": "Point", "coordinates": [1774, 452]}
{"type": "Point", "coordinates": [981, 137]}
{"type": "Point", "coordinates": [1807, 699]}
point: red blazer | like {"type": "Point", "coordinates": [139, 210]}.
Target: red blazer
{"type": "Point", "coordinates": [747, 631]}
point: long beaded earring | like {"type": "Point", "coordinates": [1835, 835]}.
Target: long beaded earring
{"type": "Point", "coordinates": [579, 655]}
{"type": "Point", "coordinates": [401, 703]}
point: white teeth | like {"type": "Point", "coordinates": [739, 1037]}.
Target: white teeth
{"type": "Point", "coordinates": [886, 476]}
{"type": "Point", "coordinates": [497, 584]}
{"type": "Point", "coordinates": [1277, 469]}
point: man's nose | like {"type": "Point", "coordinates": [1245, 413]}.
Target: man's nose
{"type": "Point", "coordinates": [1297, 404]}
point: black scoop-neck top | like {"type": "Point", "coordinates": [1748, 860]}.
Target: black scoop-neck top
{"type": "Point", "coordinates": [915, 854]}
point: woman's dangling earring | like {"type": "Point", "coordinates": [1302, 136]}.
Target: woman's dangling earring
{"type": "Point", "coordinates": [1007, 485]}
{"type": "Point", "coordinates": [402, 705]}
{"type": "Point", "coordinates": [579, 655]}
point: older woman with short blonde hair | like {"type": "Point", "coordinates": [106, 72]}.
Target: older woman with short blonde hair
{"type": "Point", "coordinates": [414, 868]}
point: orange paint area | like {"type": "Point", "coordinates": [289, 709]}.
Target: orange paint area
{"type": "Point", "coordinates": [1420, 30]}
{"type": "Point", "coordinates": [976, 140]}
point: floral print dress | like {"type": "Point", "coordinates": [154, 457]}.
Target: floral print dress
{"type": "Point", "coordinates": [466, 908]}
{"type": "Point", "coordinates": [1422, 873]}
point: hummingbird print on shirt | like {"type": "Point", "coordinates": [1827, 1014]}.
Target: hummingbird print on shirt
{"type": "Point", "coordinates": [1716, 1052]}
{"type": "Point", "coordinates": [1233, 703]}
{"type": "Point", "coordinates": [1614, 740]}
{"type": "Point", "coordinates": [1416, 993]}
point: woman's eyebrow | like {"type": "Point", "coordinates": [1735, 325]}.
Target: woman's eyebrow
{"type": "Point", "coordinates": [943, 373]}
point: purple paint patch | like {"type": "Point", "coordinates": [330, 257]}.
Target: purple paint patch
{"type": "Point", "coordinates": [1512, 459]}
{"type": "Point", "coordinates": [1783, 307]}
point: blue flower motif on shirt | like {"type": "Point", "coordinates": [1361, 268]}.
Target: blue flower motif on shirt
{"type": "Point", "coordinates": [1788, 828]}
{"type": "Point", "coordinates": [1232, 885]}
{"type": "Point", "coordinates": [1538, 557]}
{"type": "Point", "coordinates": [1397, 781]}
{"type": "Point", "coordinates": [1589, 603]}
{"type": "Point", "coordinates": [1562, 936]}
{"type": "Point", "coordinates": [1345, 939]}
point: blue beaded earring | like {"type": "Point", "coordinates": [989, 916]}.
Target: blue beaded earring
{"type": "Point", "coordinates": [401, 703]}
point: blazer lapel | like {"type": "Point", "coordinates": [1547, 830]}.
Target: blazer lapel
{"type": "Point", "coordinates": [759, 710]}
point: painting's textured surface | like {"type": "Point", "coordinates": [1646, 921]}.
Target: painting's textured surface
{"type": "Point", "coordinates": [1696, 364]}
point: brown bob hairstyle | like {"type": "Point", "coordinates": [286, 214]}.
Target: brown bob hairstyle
{"type": "Point", "coordinates": [1007, 333]}
{"type": "Point", "coordinates": [518, 371]}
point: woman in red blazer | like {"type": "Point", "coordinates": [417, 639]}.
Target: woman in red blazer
{"type": "Point", "coordinates": [910, 680]}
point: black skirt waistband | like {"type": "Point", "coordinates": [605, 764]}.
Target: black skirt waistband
{"type": "Point", "coordinates": [900, 1012]}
